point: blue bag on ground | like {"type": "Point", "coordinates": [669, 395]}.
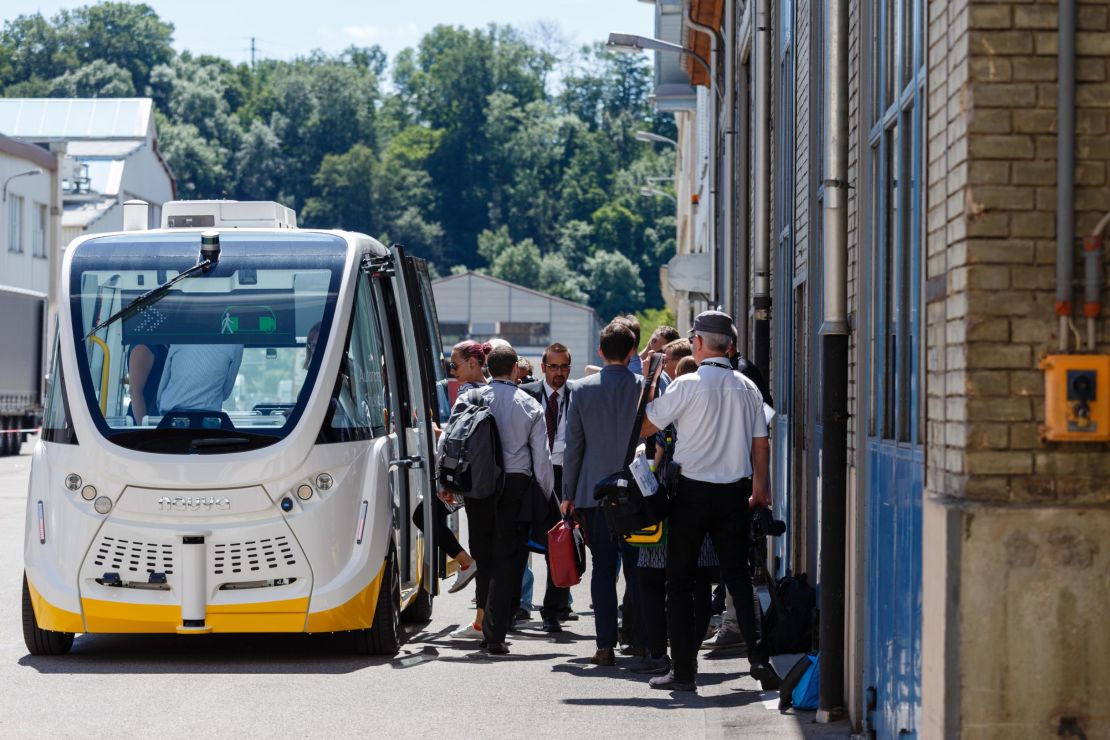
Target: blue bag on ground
{"type": "Point", "coordinates": [805, 693]}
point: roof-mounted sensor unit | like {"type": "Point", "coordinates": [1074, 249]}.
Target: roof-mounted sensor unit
{"type": "Point", "coordinates": [227, 214]}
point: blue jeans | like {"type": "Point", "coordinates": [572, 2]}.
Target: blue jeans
{"type": "Point", "coordinates": [527, 587]}
{"type": "Point", "coordinates": [607, 556]}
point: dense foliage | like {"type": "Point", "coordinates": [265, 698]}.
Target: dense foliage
{"type": "Point", "coordinates": [478, 149]}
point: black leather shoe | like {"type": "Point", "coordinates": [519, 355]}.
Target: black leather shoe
{"type": "Point", "coordinates": [568, 617]}
{"type": "Point", "coordinates": [670, 683]}
{"type": "Point", "coordinates": [522, 615]}
{"type": "Point", "coordinates": [551, 625]}
{"type": "Point", "coordinates": [760, 670]}
{"type": "Point", "coordinates": [653, 666]}
{"type": "Point", "coordinates": [497, 648]}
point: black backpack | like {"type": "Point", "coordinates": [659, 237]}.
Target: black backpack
{"type": "Point", "coordinates": [471, 462]}
{"type": "Point", "coordinates": [788, 623]}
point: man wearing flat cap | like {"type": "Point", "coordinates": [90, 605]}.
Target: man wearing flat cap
{"type": "Point", "coordinates": [725, 457]}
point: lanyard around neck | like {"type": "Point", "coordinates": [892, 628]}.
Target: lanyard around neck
{"type": "Point", "coordinates": [717, 362]}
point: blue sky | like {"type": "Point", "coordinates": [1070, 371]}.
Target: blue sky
{"type": "Point", "coordinates": [286, 29]}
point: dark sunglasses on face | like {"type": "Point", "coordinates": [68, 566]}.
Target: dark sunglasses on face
{"type": "Point", "coordinates": [452, 366]}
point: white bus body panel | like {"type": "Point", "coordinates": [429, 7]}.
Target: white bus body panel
{"type": "Point", "coordinates": [336, 577]}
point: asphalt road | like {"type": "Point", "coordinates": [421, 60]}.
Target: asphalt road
{"type": "Point", "coordinates": [312, 686]}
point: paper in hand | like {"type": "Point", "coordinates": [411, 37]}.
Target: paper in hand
{"type": "Point", "coordinates": [641, 473]}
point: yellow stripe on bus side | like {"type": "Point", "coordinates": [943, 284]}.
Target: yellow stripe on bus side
{"type": "Point", "coordinates": [51, 617]}
{"type": "Point", "coordinates": [357, 613]}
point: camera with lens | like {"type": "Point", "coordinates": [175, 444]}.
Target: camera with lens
{"type": "Point", "coordinates": [764, 525]}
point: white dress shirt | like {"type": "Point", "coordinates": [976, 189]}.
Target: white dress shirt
{"type": "Point", "coordinates": [560, 425]}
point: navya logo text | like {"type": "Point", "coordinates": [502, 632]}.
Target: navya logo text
{"type": "Point", "coordinates": [194, 503]}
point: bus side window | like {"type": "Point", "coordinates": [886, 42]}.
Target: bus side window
{"type": "Point", "coordinates": [358, 404]}
{"type": "Point", "coordinates": [56, 424]}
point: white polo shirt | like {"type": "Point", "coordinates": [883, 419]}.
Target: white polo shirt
{"type": "Point", "coordinates": [716, 413]}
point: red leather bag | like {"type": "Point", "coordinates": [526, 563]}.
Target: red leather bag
{"type": "Point", "coordinates": [566, 553]}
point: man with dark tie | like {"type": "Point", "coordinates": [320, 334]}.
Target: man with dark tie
{"type": "Point", "coordinates": [553, 393]}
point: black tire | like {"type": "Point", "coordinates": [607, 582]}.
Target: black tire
{"type": "Point", "coordinates": [5, 445]}
{"type": "Point", "coordinates": [384, 637]}
{"type": "Point", "coordinates": [40, 641]}
{"type": "Point", "coordinates": [420, 610]}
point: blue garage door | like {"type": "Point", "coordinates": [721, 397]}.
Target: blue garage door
{"type": "Point", "coordinates": [891, 371]}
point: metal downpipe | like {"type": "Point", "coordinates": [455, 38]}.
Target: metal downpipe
{"type": "Point", "coordinates": [834, 375]}
{"type": "Point", "coordinates": [728, 189]}
{"type": "Point", "coordinates": [714, 129]}
{"type": "Point", "coordinates": [1065, 169]}
{"type": "Point", "coordinates": [761, 195]}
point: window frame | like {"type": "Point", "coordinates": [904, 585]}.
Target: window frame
{"type": "Point", "coordinates": [15, 223]}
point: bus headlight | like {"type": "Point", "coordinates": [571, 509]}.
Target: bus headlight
{"type": "Point", "coordinates": [324, 481]}
{"type": "Point", "coordinates": [88, 493]}
{"type": "Point", "coordinates": [103, 505]}
{"type": "Point", "coordinates": [73, 481]}
{"type": "Point", "coordinates": [304, 492]}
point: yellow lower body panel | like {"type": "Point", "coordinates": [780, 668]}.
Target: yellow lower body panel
{"type": "Point", "coordinates": [128, 618]}
{"type": "Point", "coordinates": [51, 617]}
{"type": "Point", "coordinates": [355, 614]}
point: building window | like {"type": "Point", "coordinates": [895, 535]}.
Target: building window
{"type": "Point", "coordinates": [526, 333]}
{"type": "Point", "coordinates": [453, 332]}
{"type": "Point", "coordinates": [15, 223]}
{"type": "Point", "coordinates": [896, 139]}
{"type": "Point", "coordinates": [38, 230]}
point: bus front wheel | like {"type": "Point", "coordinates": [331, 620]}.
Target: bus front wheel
{"type": "Point", "coordinates": [384, 637]}
{"type": "Point", "coordinates": [40, 641]}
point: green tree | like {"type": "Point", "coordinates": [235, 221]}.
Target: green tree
{"type": "Point", "coordinates": [131, 36]}
{"type": "Point", "coordinates": [520, 264]}
{"type": "Point", "coordinates": [559, 279]}
{"type": "Point", "coordinates": [614, 283]}
{"type": "Point", "coordinates": [345, 183]}
{"type": "Point", "coordinates": [98, 79]}
{"type": "Point", "coordinates": [198, 165]}
{"type": "Point", "coordinates": [258, 164]}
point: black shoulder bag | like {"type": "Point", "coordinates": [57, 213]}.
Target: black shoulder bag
{"type": "Point", "coordinates": [625, 508]}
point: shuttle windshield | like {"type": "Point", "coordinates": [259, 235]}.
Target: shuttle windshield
{"type": "Point", "coordinates": [226, 360]}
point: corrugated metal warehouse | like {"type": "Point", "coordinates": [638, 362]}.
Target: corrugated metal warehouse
{"type": "Point", "coordinates": [479, 307]}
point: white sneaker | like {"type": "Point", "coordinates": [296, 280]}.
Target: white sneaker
{"type": "Point", "coordinates": [463, 577]}
{"type": "Point", "coordinates": [723, 638]}
{"type": "Point", "coordinates": [467, 632]}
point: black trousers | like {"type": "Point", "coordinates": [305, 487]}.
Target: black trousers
{"type": "Point", "coordinates": [498, 541]}
{"type": "Point", "coordinates": [445, 538]}
{"type": "Point", "coordinates": [653, 593]}
{"type": "Point", "coordinates": [721, 511]}
{"type": "Point", "coordinates": [556, 601]}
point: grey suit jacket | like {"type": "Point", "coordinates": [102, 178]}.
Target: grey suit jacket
{"type": "Point", "coordinates": [599, 423]}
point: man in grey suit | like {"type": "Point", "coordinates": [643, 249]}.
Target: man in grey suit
{"type": "Point", "coordinates": [599, 424]}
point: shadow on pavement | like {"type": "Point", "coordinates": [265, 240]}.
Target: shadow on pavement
{"type": "Point", "coordinates": [671, 700]}
{"type": "Point", "coordinates": [219, 654]}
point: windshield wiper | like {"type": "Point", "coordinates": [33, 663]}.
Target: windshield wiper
{"type": "Point", "coordinates": [150, 297]}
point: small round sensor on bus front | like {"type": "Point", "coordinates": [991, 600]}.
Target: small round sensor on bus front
{"type": "Point", "coordinates": [103, 505]}
{"type": "Point", "coordinates": [287, 504]}
{"type": "Point", "coordinates": [73, 481]}
{"type": "Point", "coordinates": [304, 492]}
{"type": "Point", "coordinates": [324, 481]}
{"type": "Point", "coordinates": [88, 493]}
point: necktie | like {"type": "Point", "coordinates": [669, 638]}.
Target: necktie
{"type": "Point", "coordinates": [552, 414]}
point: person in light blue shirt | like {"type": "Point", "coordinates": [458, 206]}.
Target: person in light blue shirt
{"type": "Point", "coordinates": [199, 376]}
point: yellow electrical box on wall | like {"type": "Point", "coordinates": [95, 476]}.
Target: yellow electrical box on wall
{"type": "Point", "coordinates": [1077, 398]}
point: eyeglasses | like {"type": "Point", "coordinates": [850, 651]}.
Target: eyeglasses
{"type": "Point", "coordinates": [452, 366]}
{"type": "Point", "coordinates": [558, 368]}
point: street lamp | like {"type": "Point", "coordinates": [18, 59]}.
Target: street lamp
{"type": "Point", "coordinates": [648, 192]}
{"type": "Point", "coordinates": [28, 173]}
{"type": "Point", "coordinates": [655, 138]}
{"type": "Point", "coordinates": [630, 43]}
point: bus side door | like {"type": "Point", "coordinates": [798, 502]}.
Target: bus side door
{"type": "Point", "coordinates": [426, 360]}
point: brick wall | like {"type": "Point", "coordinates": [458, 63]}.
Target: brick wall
{"type": "Point", "coordinates": [1006, 277]}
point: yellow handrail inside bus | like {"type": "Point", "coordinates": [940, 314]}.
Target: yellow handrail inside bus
{"type": "Point", "coordinates": [104, 373]}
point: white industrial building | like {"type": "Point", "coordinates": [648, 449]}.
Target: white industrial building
{"type": "Point", "coordinates": [475, 306]}
{"type": "Point", "coordinates": [112, 146]}
{"type": "Point", "coordinates": [30, 195]}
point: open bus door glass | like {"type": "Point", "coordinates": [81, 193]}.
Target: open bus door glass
{"type": "Point", "coordinates": [422, 357]}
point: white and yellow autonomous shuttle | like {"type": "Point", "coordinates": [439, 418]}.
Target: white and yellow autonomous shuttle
{"type": "Point", "coordinates": [239, 427]}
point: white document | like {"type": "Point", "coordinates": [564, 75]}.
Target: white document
{"type": "Point", "coordinates": [641, 472]}
{"type": "Point", "coordinates": [768, 413]}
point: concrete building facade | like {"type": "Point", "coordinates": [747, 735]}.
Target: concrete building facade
{"type": "Point", "coordinates": [975, 587]}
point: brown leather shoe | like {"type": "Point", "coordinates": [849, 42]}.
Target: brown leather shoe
{"type": "Point", "coordinates": [604, 656]}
